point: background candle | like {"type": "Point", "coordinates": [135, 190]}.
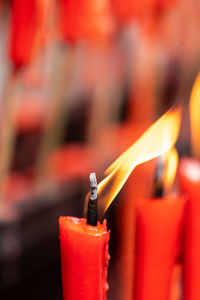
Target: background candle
{"type": "Point", "coordinates": [84, 259]}
{"type": "Point", "coordinates": [24, 18]}
{"type": "Point", "coordinates": [158, 231]}
{"type": "Point", "coordinates": [189, 180]}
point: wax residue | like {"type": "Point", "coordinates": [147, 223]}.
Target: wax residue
{"type": "Point", "coordinates": [106, 259]}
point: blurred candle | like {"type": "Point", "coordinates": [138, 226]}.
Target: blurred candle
{"type": "Point", "coordinates": [84, 259]}
{"type": "Point", "coordinates": [189, 180]}
{"type": "Point", "coordinates": [24, 18]}
{"type": "Point", "coordinates": [159, 224]}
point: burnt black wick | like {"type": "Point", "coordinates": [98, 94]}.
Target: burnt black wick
{"type": "Point", "coordinates": [92, 213]}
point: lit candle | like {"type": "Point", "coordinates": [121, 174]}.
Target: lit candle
{"type": "Point", "coordinates": [84, 253]}
{"type": "Point", "coordinates": [189, 181]}
{"type": "Point", "coordinates": [150, 145]}
{"type": "Point", "coordinates": [159, 227]}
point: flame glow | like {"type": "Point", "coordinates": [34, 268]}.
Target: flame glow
{"type": "Point", "coordinates": [195, 117]}
{"type": "Point", "coordinates": [171, 164]}
{"type": "Point", "coordinates": [156, 140]}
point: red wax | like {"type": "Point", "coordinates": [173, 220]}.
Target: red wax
{"type": "Point", "coordinates": [158, 231]}
{"type": "Point", "coordinates": [84, 259]}
{"type": "Point", "coordinates": [24, 17]}
{"type": "Point", "coordinates": [189, 180]}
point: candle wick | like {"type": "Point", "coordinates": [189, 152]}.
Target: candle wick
{"type": "Point", "coordinates": [92, 213]}
{"type": "Point", "coordinates": [158, 189]}
{"type": "Point", "coordinates": [93, 186]}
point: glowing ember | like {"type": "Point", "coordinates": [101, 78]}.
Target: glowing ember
{"type": "Point", "coordinates": [194, 117]}
{"type": "Point", "coordinates": [156, 140]}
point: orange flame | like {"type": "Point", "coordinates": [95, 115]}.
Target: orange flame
{"type": "Point", "coordinates": [171, 164]}
{"type": "Point", "coordinates": [195, 117]}
{"type": "Point", "coordinates": [156, 140]}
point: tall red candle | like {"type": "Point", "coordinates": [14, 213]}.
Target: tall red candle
{"type": "Point", "coordinates": [84, 259]}
{"type": "Point", "coordinates": [189, 180]}
{"type": "Point", "coordinates": [158, 230]}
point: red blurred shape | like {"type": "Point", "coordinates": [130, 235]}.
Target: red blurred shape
{"type": "Point", "coordinates": [30, 115]}
{"type": "Point", "coordinates": [24, 18]}
{"type": "Point", "coordinates": [189, 180]}
{"type": "Point", "coordinates": [71, 161]}
{"type": "Point", "coordinates": [128, 10]}
{"type": "Point", "coordinates": [85, 19]}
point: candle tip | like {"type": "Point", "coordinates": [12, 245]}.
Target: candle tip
{"type": "Point", "coordinates": [92, 213]}
{"type": "Point", "coordinates": [93, 186]}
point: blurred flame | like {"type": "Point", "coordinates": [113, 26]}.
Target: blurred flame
{"type": "Point", "coordinates": [171, 164]}
{"type": "Point", "coordinates": [195, 117]}
{"type": "Point", "coordinates": [156, 140]}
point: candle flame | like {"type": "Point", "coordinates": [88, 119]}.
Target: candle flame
{"type": "Point", "coordinates": [156, 140]}
{"type": "Point", "coordinates": [195, 117]}
{"type": "Point", "coordinates": [171, 164]}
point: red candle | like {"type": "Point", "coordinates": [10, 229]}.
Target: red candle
{"type": "Point", "coordinates": [84, 259]}
{"type": "Point", "coordinates": [189, 180]}
{"type": "Point", "coordinates": [24, 18]}
{"type": "Point", "coordinates": [158, 231]}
